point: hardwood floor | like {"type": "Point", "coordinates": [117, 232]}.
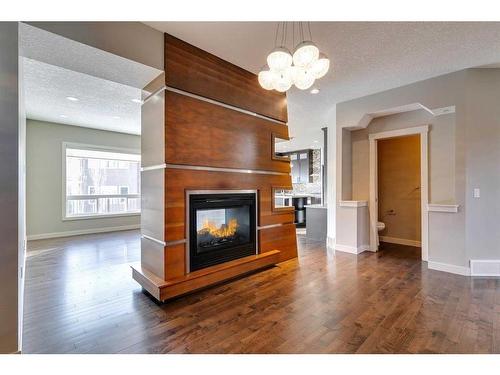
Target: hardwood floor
{"type": "Point", "coordinates": [80, 298]}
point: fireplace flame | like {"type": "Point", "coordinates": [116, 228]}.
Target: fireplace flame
{"type": "Point", "coordinates": [225, 230]}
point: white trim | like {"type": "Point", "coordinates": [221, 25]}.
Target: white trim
{"type": "Point", "coordinates": [478, 262]}
{"type": "Point", "coordinates": [352, 249]}
{"type": "Point", "coordinates": [400, 241]}
{"type": "Point", "coordinates": [450, 268]}
{"type": "Point", "coordinates": [431, 207]}
{"type": "Point", "coordinates": [85, 146]}
{"type": "Point", "coordinates": [43, 236]}
{"type": "Point", "coordinates": [424, 182]}
{"type": "Point", "coordinates": [330, 243]}
{"type": "Point", "coordinates": [399, 132]}
{"type": "Point", "coordinates": [353, 203]}
{"type": "Point", "coordinates": [94, 217]}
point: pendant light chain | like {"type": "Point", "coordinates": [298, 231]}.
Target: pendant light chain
{"type": "Point", "coordinates": [276, 37]}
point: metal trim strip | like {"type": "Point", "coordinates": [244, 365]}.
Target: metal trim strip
{"type": "Point", "coordinates": [153, 167]}
{"type": "Point", "coordinates": [219, 169]}
{"type": "Point", "coordinates": [160, 242]}
{"type": "Point", "coordinates": [228, 106]}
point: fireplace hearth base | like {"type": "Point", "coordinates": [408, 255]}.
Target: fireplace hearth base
{"type": "Point", "coordinates": [163, 290]}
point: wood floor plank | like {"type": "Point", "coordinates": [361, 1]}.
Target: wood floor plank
{"type": "Point", "coordinates": [80, 298]}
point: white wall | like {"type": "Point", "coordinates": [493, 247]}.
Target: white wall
{"type": "Point", "coordinates": [44, 177]}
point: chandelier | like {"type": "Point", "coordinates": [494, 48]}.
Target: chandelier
{"type": "Point", "coordinates": [301, 68]}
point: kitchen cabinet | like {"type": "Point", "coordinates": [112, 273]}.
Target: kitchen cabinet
{"type": "Point", "coordinates": [301, 163]}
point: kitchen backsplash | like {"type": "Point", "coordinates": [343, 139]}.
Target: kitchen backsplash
{"type": "Point", "coordinates": [315, 186]}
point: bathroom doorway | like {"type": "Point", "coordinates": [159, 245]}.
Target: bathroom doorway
{"type": "Point", "coordinates": [399, 188]}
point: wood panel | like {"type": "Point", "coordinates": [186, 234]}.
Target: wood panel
{"type": "Point", "coordinates": [163, 290]}
{"type": "Point", "coordinates": [282, 238]}
{"type": "Point", "coordinates": [206, 134]}
{"type": "Point", "coordinates": [175, 261]}
{"type": "Point", "coordinates": [177, 181]}
{"type": "Point", "coordinates": [191, 69]}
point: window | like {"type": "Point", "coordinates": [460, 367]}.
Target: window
{"type": "Point", "coordinates": [100, 182]}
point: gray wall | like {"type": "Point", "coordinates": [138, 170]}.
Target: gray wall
{"type": "Point", "coordinates": [483, 164]}
{"type": "Point", "coordinates": [44, 176]}
{"type": "Point", "coordinates": [21, 204]}
{"type": "Point", "coordinates": [471, 159]}
{"type": "Point", "coordinates": [441, 153]}
{"type": "Point", "coordinates": [9, 153]}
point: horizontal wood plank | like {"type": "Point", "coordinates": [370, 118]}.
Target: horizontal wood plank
{"type": "Point", "coordinates": [178, 181]}
{"type": "Point", "coordinates": [204, 134]}
{"type": "Point", "coordinates": [191, 69]}
{"type": "Point", "coordinates": [282, 238]}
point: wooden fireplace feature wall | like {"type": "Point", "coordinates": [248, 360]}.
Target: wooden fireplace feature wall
{"type": "Point", "coordinates": [219, 129]}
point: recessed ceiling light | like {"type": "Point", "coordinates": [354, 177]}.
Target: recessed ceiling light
{"type": "Point", "coordinates": [72, 98]}
{"type": "Point", "coordinates": [63, 116]}
{"type": "Point", "coordinates": [315, 141]}
{"type": "Point", "coordinates": [314, 91]}
{"type": "Point", "coordinates": [137, 101]}
{"type": "Point", "coordinates": [116, 117]}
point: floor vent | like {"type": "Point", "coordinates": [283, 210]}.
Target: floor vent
{"type": "Point", "coordinates": [485, 267]}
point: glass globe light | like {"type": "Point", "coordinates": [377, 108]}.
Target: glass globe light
{"type": "Point", "coordinates": [302, 78]}
{"type": "Point", "coordinates": [283, 80]}
{"type": "Point", "coordinates": [320, 67]}
{"type": "Point", "coordinates": [279, 59]}
{"type": "Point", "coordinates": [266, 79]}
{"type": "Point", "coordinates": [305, 54]}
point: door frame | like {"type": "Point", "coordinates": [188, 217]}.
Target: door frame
{"type": "Point", "coordinates": [423, 131]}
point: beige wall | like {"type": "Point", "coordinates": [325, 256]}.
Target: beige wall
{"type": "Point", "coordinates": [44, 176]}
{"type": "Point", "coordinates": [398, 174]}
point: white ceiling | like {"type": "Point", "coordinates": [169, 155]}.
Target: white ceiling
{"type": "Point", "coordinates": [101, 104]}
{"type": "Point", "coordinates": [105, 84]}
{"type": "Point", "coordinates": [50, 48]}
{"type": "Point", "coordinates": [367, 57]}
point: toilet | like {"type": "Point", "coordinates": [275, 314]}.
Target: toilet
{"type": "Point", "coordinates": [380, 226]}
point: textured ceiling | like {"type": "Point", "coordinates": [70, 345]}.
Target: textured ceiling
{"type": "Point", "coordinates": [41, 45]}
{"type": "Point", "coordinates": [367, 57]}
{"type": "Point", "coordinates": [101, 104]}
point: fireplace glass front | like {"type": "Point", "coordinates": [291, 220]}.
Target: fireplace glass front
{"type": "Point", "coordinates": [222, 228]}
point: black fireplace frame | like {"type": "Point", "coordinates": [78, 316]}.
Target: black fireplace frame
{"type": "Point", "coordinates": [218, 198]}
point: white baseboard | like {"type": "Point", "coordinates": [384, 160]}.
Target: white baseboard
{"type": "Point", "coordinates": [400, 241]}
{"type": "Point", "coordinates": [352, 249]}
{"type": "Point", "coordinates": [44, 236]}
{"type": "Point", "coordinates": [330, 243]}
{"type": "Point", "coordinates": [451, 268]}
{"type": "Point", "coordinates": [485, 267]}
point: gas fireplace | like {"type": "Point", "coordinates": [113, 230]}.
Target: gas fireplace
{"type": "Point", "coordinates": [222, 227]}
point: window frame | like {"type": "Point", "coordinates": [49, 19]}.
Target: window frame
{"type": "Point", "coordinates": [64, 197]}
